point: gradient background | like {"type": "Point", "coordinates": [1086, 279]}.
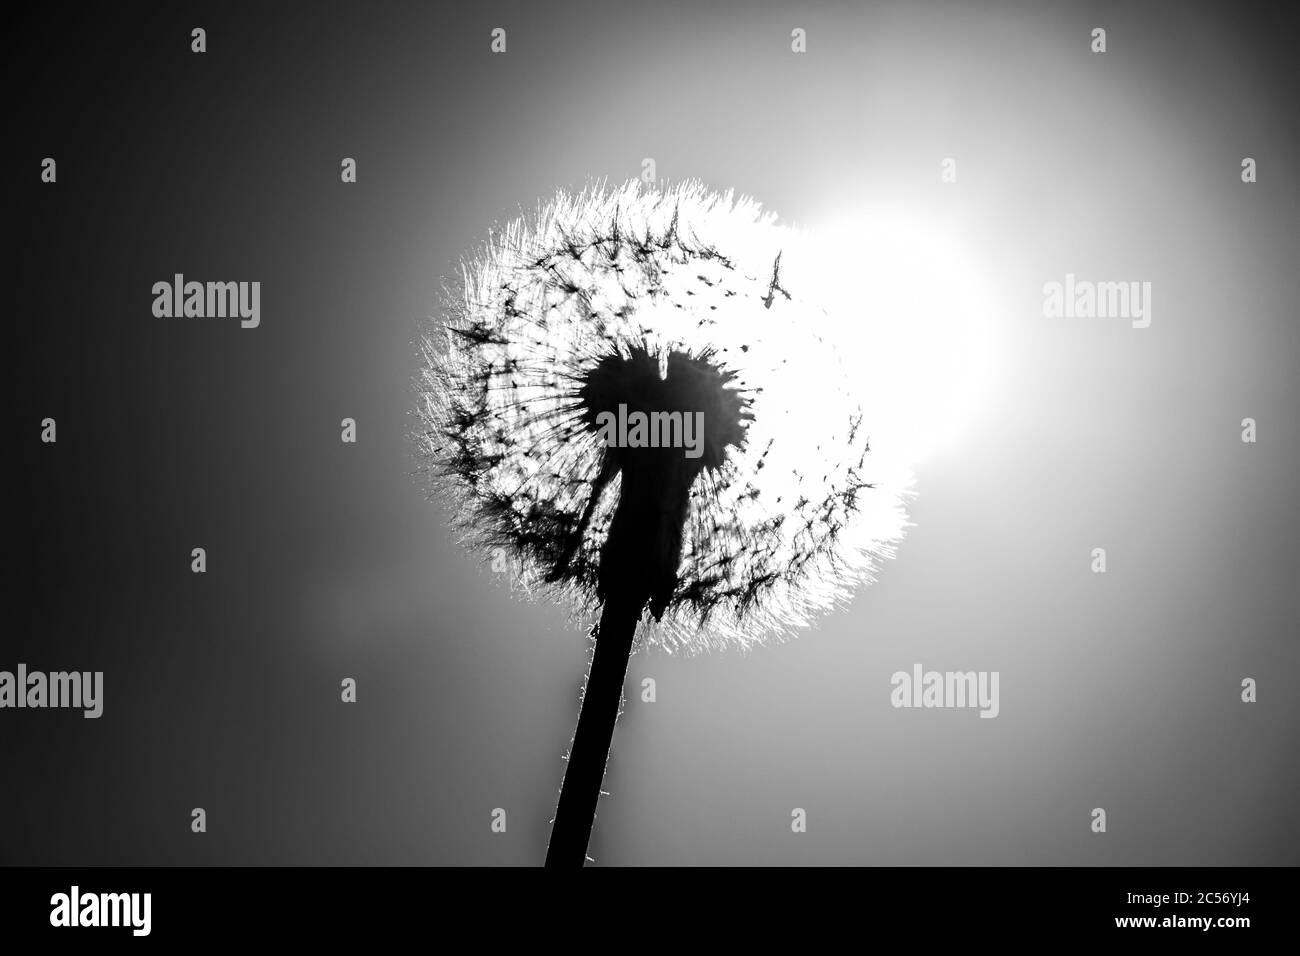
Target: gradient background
{"type": "Point", "coordinates": [222, 690]}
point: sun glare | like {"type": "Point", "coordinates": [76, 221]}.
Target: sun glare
{"type": "Point", "coordinates": [913, 312]}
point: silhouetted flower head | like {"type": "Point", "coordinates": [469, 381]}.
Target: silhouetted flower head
{"type": "Point", "coordinates": [791, 509]}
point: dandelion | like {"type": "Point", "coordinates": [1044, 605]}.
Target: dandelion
{"type": "Point", "coordinates": [676, 302]}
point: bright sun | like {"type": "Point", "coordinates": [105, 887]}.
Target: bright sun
{"type": "Point", "coordinates": [914, 314]}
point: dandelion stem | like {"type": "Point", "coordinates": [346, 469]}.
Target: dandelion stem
{"type": "Point", "coordinates": [590, 751]}
{"type": "Point", "coordinates": [639, 559]}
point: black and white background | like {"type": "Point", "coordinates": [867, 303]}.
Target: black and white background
{"type": "Point", "coordinates": [1119, 690]}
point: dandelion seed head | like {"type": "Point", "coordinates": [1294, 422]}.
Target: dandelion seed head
{"type": "Point", "coordinates": [795, 516]}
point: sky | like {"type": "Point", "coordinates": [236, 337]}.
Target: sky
{"type": "Point", "coordinates": [326, 560]}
